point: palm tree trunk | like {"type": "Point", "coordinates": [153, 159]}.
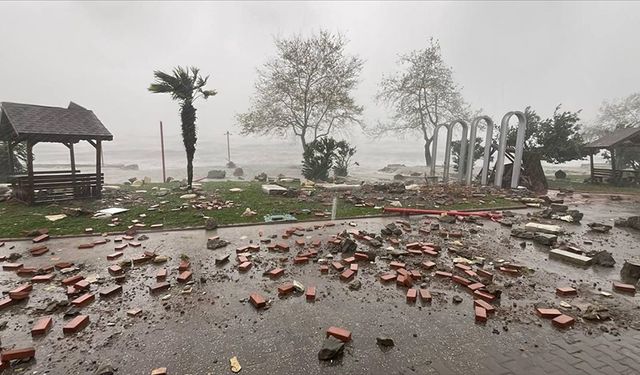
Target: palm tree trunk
{"type": "Point", "coordinates": [189, 137]}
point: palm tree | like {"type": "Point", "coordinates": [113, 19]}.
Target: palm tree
{"type": "Point", "coordinates": [19, 160]}
{"type": "Point", "coordinates": [185, 85]}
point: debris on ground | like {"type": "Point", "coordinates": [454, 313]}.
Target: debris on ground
{"type": "Point", "coordinates": [629, 222]}
{"type": "Point", "coordinates": [331, 348]}
{"type": "Point", "coordinates": [602, 258]}
{"type": "Point", "coordinates": [385, 341]}
{"type": "Point", "coordinates": [234, 364]}
{"type": "Point", "coordinates": [598, 227]}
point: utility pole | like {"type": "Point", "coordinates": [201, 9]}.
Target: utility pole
{"type": "Point", "coordinates": [164, 174]}
{"type": "Point", "coordinates": [228, 147]}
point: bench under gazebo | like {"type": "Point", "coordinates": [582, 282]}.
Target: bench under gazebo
{"type": "Point", "coordinates": [614, 142]}
{"type": "Point", "coordinates": [33, 124]}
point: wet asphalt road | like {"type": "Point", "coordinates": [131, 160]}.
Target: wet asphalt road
{"type": "Point", "coordinates": [197, 333]}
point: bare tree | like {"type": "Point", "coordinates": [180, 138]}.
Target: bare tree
{"type": "Point", "coordinates": [305, 90]}
{"type": "Point", "coordinates": [422, 95]}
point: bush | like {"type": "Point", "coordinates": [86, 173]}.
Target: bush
{"type": "Point", "coordinates": [317, 159]}
{"type": "Point", "coordinates": [343, 156]}
{"type": "Point", "coordinates": [321, 155]}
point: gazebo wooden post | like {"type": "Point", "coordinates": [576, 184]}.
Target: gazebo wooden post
{"type": "Point", "coordinates": [613, 159]}
{"type": "Point", "coordinates": [72, 157]}
{"type": "Point", "coordinates": [10, 157]}
{"type": "Point", "coordinates": [591, 165]}
{"type": "Point", "coordinates": [98, 168]}
{"type": "Point", "coordinates": [30, 169]}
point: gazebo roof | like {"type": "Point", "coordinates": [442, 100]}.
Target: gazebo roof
{"type": "Point", "coordinates": [616, 138]}
{"type": "Point", "coordinates": [50, 124]}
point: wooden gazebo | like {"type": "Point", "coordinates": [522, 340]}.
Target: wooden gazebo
{"type": "Point", "coordinates": [34, 124]}
{"type": "Point", "coordinates": [619, 139]}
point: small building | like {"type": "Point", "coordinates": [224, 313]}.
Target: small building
{"type": "Point", "coordinates": [35, 124]}
{"type": "Point", "coordinates": [615, 142]}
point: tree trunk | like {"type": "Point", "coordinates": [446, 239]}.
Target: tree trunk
{"type": "Point", "coordinates": [427, 153]}
{"type": "Point", "coordinates": [189, 138]}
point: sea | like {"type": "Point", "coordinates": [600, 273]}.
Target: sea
{"type": "Point", "coordinates": [254, 155]}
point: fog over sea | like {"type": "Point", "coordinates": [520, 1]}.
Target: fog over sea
{"type": "Point", "coordinates": [254, 154]}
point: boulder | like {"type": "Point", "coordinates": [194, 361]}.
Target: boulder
{"type": "Point", "coordinates": [262, 177]}
{"type": "Point", "coordinates": [211, 224]}
{"type": "Point", "coordinates": [603, 258]}
{"type": "Point", "coordinates": [216, 243]}
{"type": "Point", "coordinates": [630, 270]}
{"type": "Point", "coordinates": [348, 246]}
{"type": "Point", "coordinates": [331, 348]}
{"type": "Point", "coordinates": [545, 238]}
{"type": "Point", "coordinates": [630, 222]}
{"type": "Point", "coordinates": [216, 174]}
{"type": "Point", "coordinates": [560, 174]}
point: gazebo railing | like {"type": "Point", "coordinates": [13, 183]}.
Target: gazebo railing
{"type": "Point", "coordinates": [52, 186]}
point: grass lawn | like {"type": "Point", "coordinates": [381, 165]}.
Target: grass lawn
{"type": "Point", "coordinates": [16, 219]}
{"type": "Point", "coordinates": [576, 183]}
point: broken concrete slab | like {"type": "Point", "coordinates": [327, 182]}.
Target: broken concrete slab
{"type": "Point", "coordinates": [544, 228]}
{"type": "Point", "coordinates": [570, 257]}
{"type": "Point", "coordinates": [545, 238]}
{"type": "Point", "coordinates": [272, 189]}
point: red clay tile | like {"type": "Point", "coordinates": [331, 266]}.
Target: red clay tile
{"type": "Point", "coordinates": [481, 314]}
{"type": "Point", "coordinates": [443, 274]}
{"type": "Point", "coordinates": [244, 267]}
{"type": "Point", "coordinates": [388, 277]}
{"type": "Point", "coordinates": [563, 321]}
{"type": "Point", "coordinates": [76, 324]}
{"type": "Point", "coordinates": [490, 309]}
{"type": "Point", "coordinates": [566, 291]}
{"type": "Point", "coordinates": [624, 288]}
{"type": "Point", "coordinates": [115, 270]}
{"type": "Point", "coordinates": [484, 295]}
{"type": "Point", "coordinates": [347, 275]}
{"type": "Point", "coordinates": [83, 300]}
{"type": "Point", "coordinates": [427, 265]}
{"type": "Point", "coordinates": [548, 313]}
{"type": "Point", "coordinates": [276, 272]}
{"type": "Point", "coordinates": [114, 256]}
{"type": "Point", "coordinates": [42, 326]}
{"type": "Point", "coordinates": [12, 266]}
{"type": "Point", "coordinates": [184, 277]}
{"type": "Point", "coordinates": [42, 278]}
{"type": "Point", "coordinates": [161, 275]}
{"type": "Point", "coordinates": [257, 300]}
{"type": "Point", "coordinates": [412, 295]}
{"type": "Point", "coordinates": [285, 288]}
{"type": "Point", "coordinates": [22, 353]}
{"type": "Point", "coordinates": [73, 279]}
{"type": "Point", "coordinates": [108, 292]}
{"type": "Point", "coordinates": [40, 238]}
{"type": "Point", "coordinates": [339, 333]}
{"type": "Point", "coordinates": [310, 293]}
{"type": "Point", "coordinates": [425, 296]}
{"type": "Point", "coordinates": [159, 286]}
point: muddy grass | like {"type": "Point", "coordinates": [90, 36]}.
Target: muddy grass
{"type": "Point", "coordinates": [18, 220]}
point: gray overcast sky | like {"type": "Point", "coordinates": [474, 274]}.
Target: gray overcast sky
{"type": "Point", "coordinates": [505, 55]}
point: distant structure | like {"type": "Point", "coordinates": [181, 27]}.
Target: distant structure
{"type": "Point", "coordinates": [619, 139]}
{"type": "Point", "coordinates": [35, 124]}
